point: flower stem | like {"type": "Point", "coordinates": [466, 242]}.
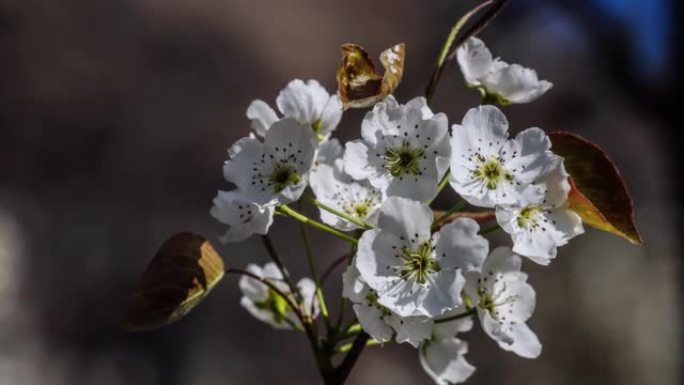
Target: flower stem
{"type": "Point", "coordinates": [457, 207]}
{"type": "Point", "coordinates": [445, 57]}
{"type": "Point", "coordinates": [490, 230]}
{"type": "Point", "coordinates": [314, 276]}
{"type": "Point", "coordinates": [457, 316]}
{"type": "Point", "coordinates": [340, 214]}
{"type": "Point", "coordinates": [440, 187]}
{"type": "Point", "coordinates": [347, 347]}
{"type": "Point", "coordinates": [313, 223]}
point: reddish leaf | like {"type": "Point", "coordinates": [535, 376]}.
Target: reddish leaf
{"type": "Point", "coordinates": [359, 84]}
{"type": "Point", "coordinates": [598, 193]}
{"type": "Point", "coordinates": [180, 275]}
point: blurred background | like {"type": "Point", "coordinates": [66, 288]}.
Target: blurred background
{"type": "Point", "coordinates": [116, 117]}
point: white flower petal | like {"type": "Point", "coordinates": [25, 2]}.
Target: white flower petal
{"type": "Point", "coordinates": [444, 361]}
{"type": "Point", "coordinates": [516, 84]}
{"type": "Point", "coordinates": [356, 160]}
{"type": "Point", "coordinates": [353, 288]}
{"type": "Point", "coordinates": [460, 246]}
{"type": "Point", "coordinates": [262, 116]}
{"type": "Point", "coordinates": [243, 217]}
{"type": "Point", "coordinates": [449, 329]}
{"type": "Point", "coordinates": [330, 116]}
{"type": "Point", "coordinates": [375, 258]}
{"type": "Point", "coordinates": [502, 260]}
{"type": "Point", "coordinates": [378, 121]}
{"type": "Point", "coordinates": [525, 342]}
{"type": "Point", "coordinates": [329, 152]}
{"type": "Point", "coordinates": [340, 192]}
{"type": "Point", "coordinates": [307, 289]}
{"type": "Point", "coordinates": [475, 61]}
{"type": "Point", "coordinates": [407, 218]}
{"type": "Point", "coordinates": [494, 329]}
{"type": "Point", "coordinates": [243, 154]}
{"type": "Point", "coordinates": [303, 101]}
{"type": "Point", "coordinates": [371, 320]}
{"type": "Point", "coordinates": [413, 330]}
{"type": "Point", "coordinates": [420, 103]}
{"type": "Point", "coordinates": [444, 293]}
{"type": "Point", "coordinates": [534, 160]}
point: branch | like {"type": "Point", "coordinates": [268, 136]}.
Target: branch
{"type": "Point", "coordinates": [340, 374]}
{"type": "Point", "coordinates": [445, 57]}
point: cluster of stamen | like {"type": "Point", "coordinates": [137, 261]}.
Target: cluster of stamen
{"type": "Point", "coordinates": [493, 302]}
{"type": "Point", "coordinates": [490, 171]}
{"type": "Point", "coordinates": [530, 218]}
{"type": "Point", "coordinates": [417, 263]}
{"type": "Point", "coordinates": [406, 159]}
{"type": "Point", "coordinates": [277, 171]}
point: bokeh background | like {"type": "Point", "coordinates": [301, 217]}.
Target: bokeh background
{"type": "Point", "coordinates": [116, 117]}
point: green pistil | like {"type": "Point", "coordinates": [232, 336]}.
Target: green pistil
{"type": "Point", "coordinates": [283, 175]}
{"type": "Point", "coordinates": [487, 303]}
{"type": "Point", "coordinates": [418, 263]}
{"type": "Point", "coordinates": [274, 304]}
{"type": "Point", "coordinates": [403, 160]}
{"type": "Point", "coordinates": [526, 216]}
{"type": "Point", "coordinates": [317, 127]}
{"type": "Point", "coordinates": [492, 172]}
{"type": "Point", "coordinates": [359, 210]}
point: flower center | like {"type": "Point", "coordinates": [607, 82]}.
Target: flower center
{"type": "Point", "coordinates": [275, 305]}
{"type": "Point", "coordinates": [487, 303]}
{"type": "Point", "coordinates": [418, 263]}
{"type": "Point", "coordinates": [403, 160]}
{"type": "Point", "coordinates": [491, 172]}
{"type": "Point", "coordinates": [527, 217]}
{"type": "Point", "coordinates": [358, 209]}
{"type": "Point", "coordinates": [282, 176]}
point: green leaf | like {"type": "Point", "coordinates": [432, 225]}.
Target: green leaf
{"type": "Point", "coordinates": [598, 193]}
{"type": "Point", "coordinates": [178, 278]}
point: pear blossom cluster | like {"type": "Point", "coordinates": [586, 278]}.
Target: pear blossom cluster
{"type": "Point", "coordinates": [414, 276]}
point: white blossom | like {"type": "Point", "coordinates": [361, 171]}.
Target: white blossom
{"type": "Point", "coordinates": [504, 302]}
{"type": "Point", "coordinates": [442, 356]}
{"type": "Point", "coordinates": [268, 306]}
{"type": "Point", "coordinates": [307, 102]}
{"type": "Point", "coordinates": [276, 169]}
{"type": "Point", "coordinates": [496, 79]}
{"type": "Point", "coordinates": [341, 192]}
{"type": "Point", "coordinates": [378, 321]}
{"type": "Point", "coordinates": [488, 169]}
{"type": "Point", "coordinates": [414, 272]}
{"type": "Point", "coordinates": [444, 361]}
{"type": "Point", "coordinates": [242, 216]}
{"type": "Point", "coordinates": [404, 151]}
{"type": "Point", "coordinates": [539, 226]}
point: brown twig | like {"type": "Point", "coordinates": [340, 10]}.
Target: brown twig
{"type": "Point", "coordinates": [340, 374]}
